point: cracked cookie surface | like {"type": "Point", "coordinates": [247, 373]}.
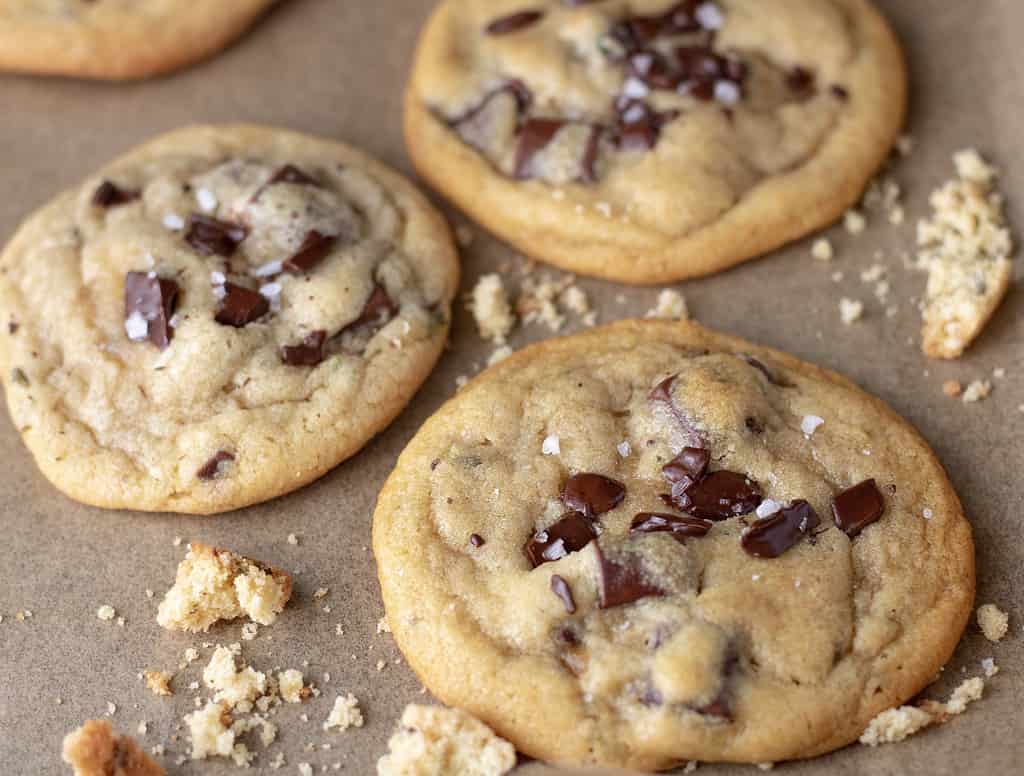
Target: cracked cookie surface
{"type": "Point", "coordinates": [650, 141]}
{"type": "Point", "coordinates": [651, 543]}
{"type": "Point", "coordinates": [117, 39]}
{"type": "Point", "coordinates": [220, 317]}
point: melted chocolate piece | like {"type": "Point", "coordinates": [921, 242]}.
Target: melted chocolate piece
{"type": "Point", "coordinates": [686, 469]}
{"type": "Point", "coordinates": [309, 352]}
{"type": "Point", "coordinates": [663, 390]}
{"type": "Point", "coordinates": [800, 79]}
{"type": "Point", "coordinates": [561, 589]}
{"type": "Point", "coordinates": [12, 327]}
{"type": "Point", "coordinates": [719, 496]}
{"type": "Point", "coordinates": [588, 162]}
{"type": "Point", "coordinates": [240, 306]}
{"type": "Point", "coordinates": [768, 374]}
{"type": "Point", "coordinates": [754, 426]}
{"type": "Point", "coordinates": [571, 533]}
{"type": "Point", "coordinates": [839, 92]}
{"type": "Point", "coordinates": [513, 22]}
{"type": "Point", "coordinates": [477, 540]}
{"type": "Point", "coordinates": [378, 310]}
{"type": "Point", "coordinates": [772, 536]}
{"type": "Point", "coordinates": [292, 174]}
{"type": "Point", "coordinates": [679, 527]}
{"type": "Point", "coordinates": [653, 69]}
{"type": "Point", "coordinates": [108, 194]}
{"type": "Point", "coordinates": [212, 468]}
{"type": "Point", "coordinates": [592, 494]}
{"type": "Point", "coordinates": [313, 250]}
{"type": "Point", "coordinates": [622, 583]}
{"type": "Point", "coordinates": [154, 299]}
{"type": "Point", "coordinates": [534, 136]}
{"type": "Point", "coordinates": [211, 237]}
{"type": "Point", "coordinates": [857, 507]}
{"type": "Point", "coordinates": [638, 126]}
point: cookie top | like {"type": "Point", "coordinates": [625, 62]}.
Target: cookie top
{"type": "Point", "coordinates": [117, 39]}
{"type": "Point", "coordinates": [219, 317]}
{"type": "Point", "coordinates": [646, 141]}
{"type": "Point", "coordinates": [651, 543]}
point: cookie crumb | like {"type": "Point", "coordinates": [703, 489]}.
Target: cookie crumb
{"type": "Point", "coordinates": [210, 732]}
{"type": "Point", "coordinates": [106, 612]}
{"type": "Point", "coordinates": [382, 625]}
{"type": "Point", "coordinates": [345, 714]}
{"type": "Point", "coordinates": [993, 621]}
{"type": "Point", "coordinates": [435, 739]}
{"type": "Point", "coordinates": [670, 305]}
{"type": "Point", "coordinates": [491, 310]}
{"type": "Point", "coordinates": [822, 250]}
{"type": "Point", "coordinates": [159, 682]}
{"type": "Point", "coordinates": [977, 390]}
{"type": "Point", "coordinates": [952, 388]}
{"type": "Point", "coordinates": [854, 222]}
{"type": "Point", "coordinates": [249, 631]}
{"type": "Point", "coordinates": [95, 748]}
{"type": "Point", "coordinates": [850, 310]}
{"type": "Point", "coordinates": [293, 539]}
{"type": "Point", "coordinates": [291, 684]}
{"type": "Point", "coordinates": [233, 686]}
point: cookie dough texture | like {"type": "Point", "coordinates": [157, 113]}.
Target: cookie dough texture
{"type": "Point", "coordinates": [118, 39]}
{"type": "Point", "coordinates": [218, 419]}
{"type": "Point", "coordinates": [742, 659]}
{"type": "Point", "coordinates": [96, 750]}
{"type": "Point", "coordinates": [728, 179]}
{"type": "Point", "coordinates": [435, 741]}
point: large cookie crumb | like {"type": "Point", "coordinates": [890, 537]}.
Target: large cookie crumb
{"type": "Point", "coordinates": [965, 247]}
{"type": "Point", "coordinates": [214, 584]}
{"type": "Point", "coordinates": [993, 621]}
{"type": "Point", "coordinates": [491, 309]}
{"type": "Point", "coordinates": [96, 750]}
{"type": "Point", "coordinates": [345, 713]}
{"type": "Point", "coordinates": [436, 741]}
{"type": "Point", "coordinates": [159, 682]}
{"type": "Point", "coordinates": [894, 725]}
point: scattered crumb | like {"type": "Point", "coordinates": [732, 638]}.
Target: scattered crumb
{"type": "Point", "coordinates": [988, 665]}
{"type": "Point", "coordinates": [977, 390]}
{"type": "Point", "coordinates": [952, 388]}
{"type": "Point", "coordinates": [381, 664]}
{"type": "Point", "coordinates": [250, 630]}
{"type": "Point", "coordinates": [994, 622]}
{"type": "Point", "coordinates": [291, 684]}
{"type": "Point", "coordinates": [111, 709]}
{"type": "Point", "coordinates": [537, 300]}
{"type": "Point", "coordinates": [382, 625]}
{"type": "Point", "coordinates": [894, 725]}
{"type": "Point", "coordinates": [345, 714]}
{"type": "Point", "coordinates": [850, 310]}
{"type": "Point", "coordinates": [95, 749]}
{"type": "Point", "coordinates": [305, 769]}
{"type": "Point", "coordinates": [491, 310]}
{"type": "Point", "coordinates": [159, 682]}
{"type": "Point", "coordinates": [233, 686]}
{"type": "Point", "coordinates": [965, 247]}
{"type": "Point", "coordinates": [106, 612]}
{"type": "Point", "coordinates": [435, 739]}
{"type": "Point", "coordinates": [905, 145]}
{"type": "Point", "coordinates": [293, 539]}
{"type": "Point", "coordinates": [670, 305]}
{"type": "Point", "coordinates": [822, 250]}
{"type": "Point", "coordinates": [210, 731]}
{"type": "Point", "coordinates": [213, 584]}
{"type": "Point", "coordinates": [854, 222]}
{"type": "Point", "coordinates": [321, 592]}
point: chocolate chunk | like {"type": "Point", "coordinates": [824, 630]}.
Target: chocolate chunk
{"type": "Point", "coordinates": [663, 390]}
{"type": "Point", "coordinates": [12, 327]}
{"type": "Point", "coordinates": [700, 63]}
{"type": "Point", "coordinates": [571, 533]}
{"type": "Point", "coordinates": [149, 299]}
{"type": "Point", "coordinates": [477, 540]}
{"type": "Point", "coordinates": [292, 174]}
{"type": "Point", "coordinates": [857, 507]}
{"type": "Point", "coordinates": [561, 589]}
{"type": "Point", "coordinates": [680, 527]}
{"type": "Point", "coordinates": [211, 237]}
{"type": "Point", "coordinates": [839, 92]}
{"type": "Point", "coordinates": [681, 18]}
{"type": "Point", "coordinates": [754, 426]}
{"type": "Point", "coordinates": [768, 374]}
{"type": "Point", "coordinates": [215, 466]}
{"type": "Point", "coordinates": [535, 134]}
{"type": "Point", "coordinates": [513, 22]}
{"type": "Point", "coordinates": [309, 352]}
{"type": "Point", "coordinates": [240, 306]}
{"type": "Point", "coordinates": [108, 194]}
{"type": "Point", "coordinates": [313, 250]}
{"type": "Point", "coordinates": [588, 162]}
{"type": "Point", "coordinates": [592, 494]}
{"type": "Point", "coordinates": [800, 79]}
{"type": "Point", "coordinates": [638, 126]}
{"type": "Point", "coordinates": [622, 582]}
{"type": "Point", "coordinates": [772, 536]}
{"type": "Point", "coordinates": [686, 469]}
{"type": "Point", "coordinates": [719, 496]}
{"type": "Point", "coordinates": [378, 310]}
{"type": "Point", "coordinates": [653, 69]}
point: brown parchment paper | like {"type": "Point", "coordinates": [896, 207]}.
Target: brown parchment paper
{"type": "Point", "coordinates": [337, 68]}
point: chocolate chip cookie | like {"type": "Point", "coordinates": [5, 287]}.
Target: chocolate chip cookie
{"type": "Point", "coordinates": [652, 543]}
{"type": "Point", "coordinates": [219, 317]}
{"type": "Point", "coordinates": [117, 39]}
{"type": "Point", "coordinates": [649, 141]}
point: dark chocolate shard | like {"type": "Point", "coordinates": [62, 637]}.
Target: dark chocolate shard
{"type": "Point", "coordinates": [309, 352]}
{"type": "Point", "coordinates": [773, 535]}
{"type": "Point", "coordinates": [663, 390]}
{"type": "Point", "coordinates": [149, 300]}
{"type": "Point", "coordinates": [769, 375]}
{"type": "Point", "coordinates": [571, 533]}
{"type": "Point", "coordinates": [314, 249]}
{"type": "Point", "coordinates": [378, 310]}
{"type": "Point", "coordinates": [292, 174]}
{"type": "Point", "coordinates": [513, 22]}
{"type": "Point", "coordinates": [591, 151]}
{"type": "Point", "coordinates": [857, 507]}
{"type": "Point", "coordinates": [719, 496]}
{"type": "Point", "coordinates": [800, 80]}
{"type": "Point", "coordinates": [533, 137]}
{"type": "Point", "coordinates": [561, 589]}
{"type": "Point", "coordinates": [213, 237]}
{"type": "Point", "coordinates": [686, 469]}
{"type": "Point", "coordinates": [215, 467]}
{"type": "Point", "coordinates": [477, 540]}
{"type": "Point", "coordinates": [240, 306]}
{"type": "Point", "coordinates": [637, 125]}
{"type": "Point", "coordinates": [592, 494]}
{"type": "Point", "coordinates": [108, 194]}
{"type": "Point", "coordinates": [679, 526]}
{"type": "Point", "coordinates": [622, 582]}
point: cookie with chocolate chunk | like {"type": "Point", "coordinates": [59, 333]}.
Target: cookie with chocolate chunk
{"type": "Point", "coordinates": [653, 141]}
{"type": "Point", "coordinates": [688, 547]}
{"type": "Point", "coordinates": [118, 39]}
{"type": "Point", "coordinates": [220, 317]}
